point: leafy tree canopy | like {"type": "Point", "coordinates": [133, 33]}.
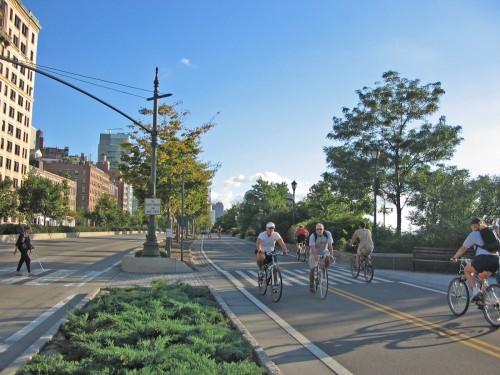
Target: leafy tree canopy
{"type": "Point", "coordinates": [394, 118]}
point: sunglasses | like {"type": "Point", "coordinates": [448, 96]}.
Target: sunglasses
{"type": "Point", "coordinates": [319, 229]}
{"type": "Point", "coordinates": [270, 227]}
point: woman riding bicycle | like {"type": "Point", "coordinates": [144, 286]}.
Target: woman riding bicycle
{"type": "Point", "coordinates": [485, 263]}
{"type": "Point", "coordinates": [365, 246]}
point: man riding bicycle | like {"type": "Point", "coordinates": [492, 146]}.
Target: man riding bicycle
{"type": "Point", "coordinates": [320, 243]}
{"type": "Point", "coordinates": [365, 246]}
{"type": "Point", "coordinates": [301, 235]}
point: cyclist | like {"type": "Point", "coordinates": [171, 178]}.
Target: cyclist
{"type": "Point", "coordinates": [301, 235]}
{"type": "Point", "coordinates": [320, 243]}
{"type": "Point", "coordinates": [365, 246]}
{"type": "Point", "coordinates": [264, 246]}
{"type": "Point", "coordinates": [485, 263]}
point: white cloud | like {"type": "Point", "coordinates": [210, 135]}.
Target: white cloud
{"type": "Point", "coordinates": [235, 187]}
{"type": "Point", "coordinates": [185, 61]}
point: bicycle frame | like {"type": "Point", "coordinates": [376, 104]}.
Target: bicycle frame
{"type": "Point", "coordinates": [272, 276]}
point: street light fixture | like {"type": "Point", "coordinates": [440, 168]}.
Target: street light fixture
{"type": "Point", "coordinates": [375, 156]}
{"type": "Point", "coordinates": [294, 186]}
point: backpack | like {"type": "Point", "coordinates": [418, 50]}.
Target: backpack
{"type": "Point", "coordinates": [491, 241]}
{"type": "Point", "coordinates": [313, 234]}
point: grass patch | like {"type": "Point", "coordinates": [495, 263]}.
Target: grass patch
{"type": "Point", "coordinates": [166, 329]}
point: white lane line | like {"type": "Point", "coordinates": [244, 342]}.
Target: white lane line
{"type": "Point", "coordinates": [321, 355]}
{"type": "Point", "coordinates": [423, 287]}
{"type": "Point", "coordinates": [28, 328]}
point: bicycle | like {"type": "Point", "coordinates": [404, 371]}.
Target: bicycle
{"type": "Point", "coordinates": [365, 267]}
{"type": "Point", "coordinates": [301, 251]}
{"type": "Point", "coordinates": [271, 275]}
{"type": "Point", "coordinates": [459, 296]}
{"type": "Point", "coordinates": [321, 277]}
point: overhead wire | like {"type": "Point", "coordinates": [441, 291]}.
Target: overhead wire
{"type": "Point", "coordinates": [73, 76]}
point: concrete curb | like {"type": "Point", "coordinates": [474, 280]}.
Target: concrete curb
{"type": "Point", "coordinates": [261, 355]}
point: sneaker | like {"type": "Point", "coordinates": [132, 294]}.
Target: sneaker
{"type": "Point", "coordinates": [19, 274]}
{"type": "Point", "coordinates": [477, 297]}
{"type": "Point", "coordinates": [31, 274]}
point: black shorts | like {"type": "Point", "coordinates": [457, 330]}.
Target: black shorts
{"type": "Point", "coordinates": [301, 238]}
{"type": "Point", "coordinates": [485, 263]}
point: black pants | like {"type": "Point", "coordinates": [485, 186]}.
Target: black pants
{"type": "Point", "coordinates": [25, 258]}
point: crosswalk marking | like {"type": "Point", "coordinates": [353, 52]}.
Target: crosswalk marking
{"type": "Point", "coordinates": [51, 278]}
{"type": "Point", "coordinates": [300, 277]}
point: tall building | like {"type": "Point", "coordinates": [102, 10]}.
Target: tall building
{"type": "Point", "coordinates": [110, 147]}
{"type": "Point", "coordinates": [218, 208]}
{"type": "Point", "coordinates": [109, 151]}
{"type": "Point", "coordinates": [92, 182]}
{"type": "Point", "coordinates": [18, 41]}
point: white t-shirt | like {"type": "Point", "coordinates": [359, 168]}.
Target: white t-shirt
{"type": "Point", "coordinates": [268, 242]}
{"type": "Point", "coordinates": [321, 243]}
{"type": "Point", "coordinates": [474, 239]}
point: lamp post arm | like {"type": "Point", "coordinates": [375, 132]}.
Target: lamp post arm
{"type": "Point", "coordinates": [77, 89]}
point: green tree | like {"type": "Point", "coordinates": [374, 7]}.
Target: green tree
{"type": "Point", "coordinates": [39, 196]}
{"type": "Point", "coordinates": [262, 203]}
{"type": "Point", "coordinates": [487, 189]}
{"type": "Point", "coordinates": [394, 118]}
{"type": "Point", "coordinates": [106, 212]}
{"type": "Point", "coordinates": [178, 157]}
{"type": "Point", "coordinates": [443, 199]}
{"type": "Point", "coordinates": [8, 199]}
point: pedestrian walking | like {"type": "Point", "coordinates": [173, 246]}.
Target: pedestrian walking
{"type": "Point", "coordinates": [23, 244]}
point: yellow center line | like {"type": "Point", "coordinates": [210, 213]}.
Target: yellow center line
{"type": "Point", "coordinates": [452, 334]}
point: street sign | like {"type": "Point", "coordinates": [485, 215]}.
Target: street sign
{"type": "Point", "coordinates": [152, 206]}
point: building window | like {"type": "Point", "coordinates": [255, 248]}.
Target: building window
{"type": "Point", "coordinates": [18, 133]}
{"type": "Point", "coordinates": [17, 150]}
{"type": "Point", "coordinates": [10, 129]}
{"type": "Point", "coordinates": [16, 166]}
{"type": "Point", "coordinates": [9, 146]}
{"type": "Point", "coordinates": [8, 164]}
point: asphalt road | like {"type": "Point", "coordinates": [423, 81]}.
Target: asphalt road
{"type": "Point", "coordinates": [397, 324]}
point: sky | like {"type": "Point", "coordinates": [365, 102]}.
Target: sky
{"type": "Point", "coordinates": [270, 74]}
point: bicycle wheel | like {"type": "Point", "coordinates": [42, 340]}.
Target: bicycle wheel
{"type": "Point", "coordinates": [262, 281]}
{"type": "Point", "coordinates": [277, 288]}
{"type": "Point", "coordinates": [458, 296]}
{"type": "Point", "coordinates": [491, 305]}
{"type": "Point", "coordinates": [304, 253]}
{"type": "Point", "coordinates": [322, 281]}
{"type": "Point", "coordinates": [354, 269]}
{"type": "Point", "coordinates": [367, 271]}
{"type": "Point", "coordinates": [299, 251]}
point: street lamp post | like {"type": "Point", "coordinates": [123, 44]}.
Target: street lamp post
{"type": "Point", "coordinates": [294, 186]}
{"type": "Point", "coordinates": [375, 156]}
{"type": "Point", "coordinates": [151, 247]}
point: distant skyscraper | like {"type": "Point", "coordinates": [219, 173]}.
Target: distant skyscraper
{"type": "Point", "coordinates": [218, 208]}
{"type": "Point", "coordinates": [110, 147]}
